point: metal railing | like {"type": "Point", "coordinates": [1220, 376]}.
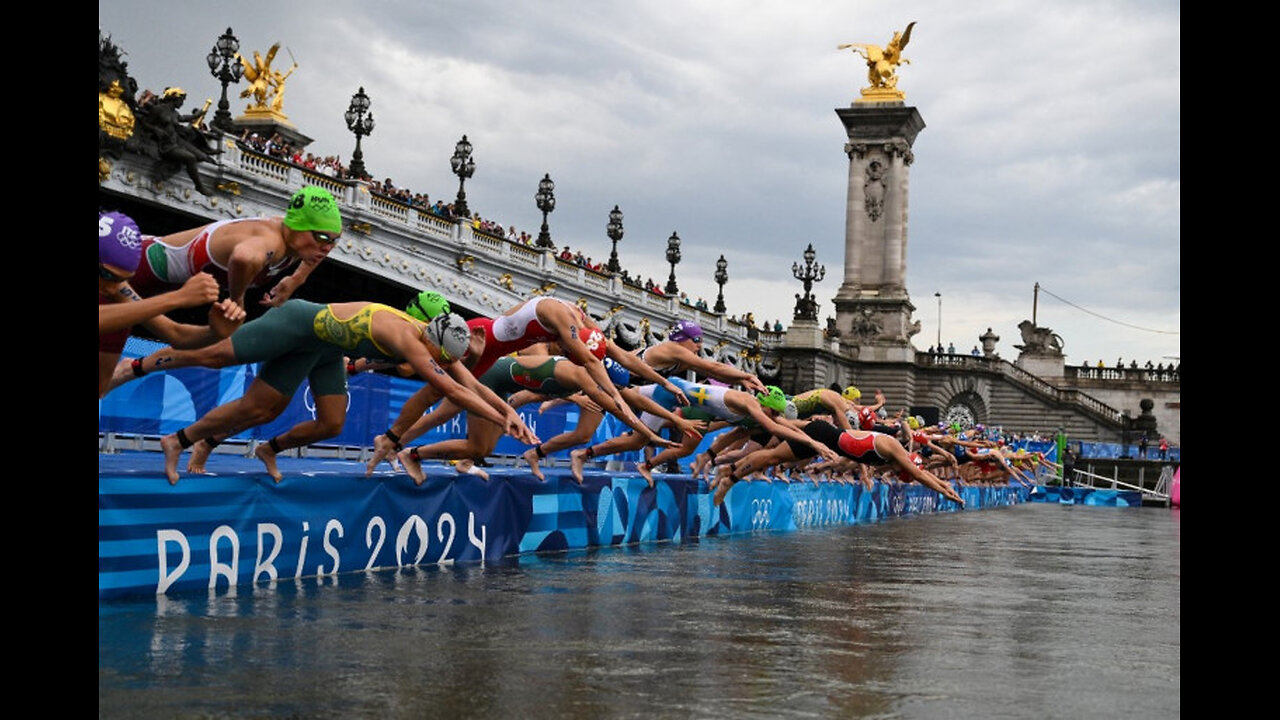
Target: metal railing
{"type": "Point", "coordinates": [1084, 479]}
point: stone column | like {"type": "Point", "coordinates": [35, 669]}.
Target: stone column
{"type": "Point", "coordinates": [873, 310]}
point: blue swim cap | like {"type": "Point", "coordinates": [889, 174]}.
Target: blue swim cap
{"type": "Point", "coordinates": [618, 374]}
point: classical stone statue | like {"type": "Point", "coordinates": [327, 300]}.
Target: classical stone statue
{"type": "Point", "coordinates": [1039, 340]}
{"type": "Point", "coordinates": [882, 65]}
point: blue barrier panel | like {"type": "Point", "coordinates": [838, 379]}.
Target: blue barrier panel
{"type": "Point", "coordinates": [240, 528]}
{"type": "Point", "coordinates": [1086, 496]}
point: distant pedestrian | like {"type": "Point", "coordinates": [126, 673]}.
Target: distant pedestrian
{"type": "Point", "coordinates": [1164, 448]}
{"type": "Point", "coordinates": [1068, 465]}
{"type": "Point", "coordinates": [1143, 442]}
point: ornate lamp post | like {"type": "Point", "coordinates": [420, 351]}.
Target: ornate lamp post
{"type": "Point", "coordinates": [615, 234]}
{"type": "Point", "coordinates": [722, 277]}
{"type": "Point", "coordinates": [673, 257]}
{"type": "Point", "coordinates": [227, 69]}
{"type": "Point", "coordinates": [360, 122]}
{"type": "Point", "coordinates": [807, 307]}
{"type": "Point", "coordinates": [939, 296]}
{"type": "Point", "coordinates": [464, 167]}
{"type": "Point", "coordinates": [545, 199]}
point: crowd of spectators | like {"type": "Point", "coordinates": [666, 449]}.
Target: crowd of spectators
{"type": "Point", "coordinates": [279, 148]}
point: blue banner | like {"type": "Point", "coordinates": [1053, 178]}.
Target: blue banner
{"type": "Point", "coordinates": [326, 517]}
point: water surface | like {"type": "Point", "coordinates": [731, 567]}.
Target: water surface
{"type": "Point", "coordinates": [1033, 611]}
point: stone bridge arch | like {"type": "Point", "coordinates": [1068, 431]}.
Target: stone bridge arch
{"type": "Point", "coordinates": [966, 400]}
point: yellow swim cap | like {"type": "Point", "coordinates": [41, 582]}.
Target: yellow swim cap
{"type": "Point", "coordinates": [851, 393]}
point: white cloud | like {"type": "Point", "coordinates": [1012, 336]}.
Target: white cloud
{"type": "Point", "coordinates": [1051, 152]}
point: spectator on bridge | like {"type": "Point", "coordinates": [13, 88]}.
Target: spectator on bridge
{"type": "Point", "coordinates": [1143, 442]}
{"type": "Point", "coordinates": [975, 351]}
{"type": "Point", "coordinates": [951, 348]}
{"type": "Point", "coordinates": [1164, 448]}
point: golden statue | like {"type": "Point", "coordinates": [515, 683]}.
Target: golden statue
{"type": "Point", "coordinates": [264, 82]}
{"type": "Point", "coordinates": [115, 118]}
{"type": "Point", "coordinates": [882, 64]}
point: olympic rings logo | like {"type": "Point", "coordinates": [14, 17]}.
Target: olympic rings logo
{"type": "Point", "coordinates": [761, 510]}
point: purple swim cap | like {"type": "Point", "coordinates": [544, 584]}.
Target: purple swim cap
{"type": "Point", "coordinates": [686, 330]}
{"type": "Point", "coordinates": [119, 242]}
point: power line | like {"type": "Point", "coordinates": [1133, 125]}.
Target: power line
{"type": "Point", "coordinates": [1112, 320]}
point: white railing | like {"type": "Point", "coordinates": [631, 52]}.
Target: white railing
{"type": "Point", "coordinates": [1084, 479]}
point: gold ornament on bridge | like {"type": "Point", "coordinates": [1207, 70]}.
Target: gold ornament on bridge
{"type": "Point", "coordinates": [114, 116]}
{"type": "Point", "coordinates": [882, 66]}
{"type": "Point", "coordinates": [265, 82]}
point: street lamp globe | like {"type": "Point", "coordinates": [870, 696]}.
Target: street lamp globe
{"type": "Point", "coordinates": [224, 66]}
{"type": "Point", "coordinates": [545, 199]}
{"type": "Point", "coordinates": [673, 257]}
{"type": "Point", "coordinates": [359, 121]}
{"type": "Point", "coordinates": [722, 277]}
{"type": "Point", "coordinates": [464, 166]}
{"type": "Point", "coordinates": [614, 230]}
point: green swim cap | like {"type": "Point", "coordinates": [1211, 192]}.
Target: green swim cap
{"type": "Point", "coordinates": [313, 208]}
{"type": "Point", "coordinates": [427, 305]}
{"type": "Point", "coordinates": [773, 397]}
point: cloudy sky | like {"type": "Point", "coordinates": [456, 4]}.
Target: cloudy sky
{"type": "Point", "coordinates": [1050, 154]}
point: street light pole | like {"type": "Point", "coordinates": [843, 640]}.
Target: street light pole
{"type": "Point", "coordinates": [939, 296]}
{"type": "Point", "coordinates": [545, 199]}
{"type": "Point", "coordinates": [673, 257]}
{"type": "Point", "coordinates": [811, 272]}
{"type": "Point", "coordinates": [614, 231]}
{"type": "Point", "coordinates": [464, 167]}
{"type": "Point", "coordinates": [359, 121]}
{"type": "Point", "coordinates": [722, 277]}
{"type": "Point", "coordinates": [227, 69]}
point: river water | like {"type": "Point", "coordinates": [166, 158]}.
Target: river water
{"type": "Point", "coordinates": [1033, 611]}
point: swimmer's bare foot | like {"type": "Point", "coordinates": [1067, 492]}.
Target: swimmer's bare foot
{"type": "Point", "coordinates": [172, 453]}
{"type": "Point", "coordinates": [265, 454]}
{"type": "Point", "coordinates": [721, 490]}
{"type": "Point", "coordinates": [698, 469]}
{"type": "Point", "coordinates": [646, 472]}
{"type": "Point", "coordinates": [412, 465]}
{"type": "Point", "coordinates": [531, 456]}
{"type": "Point", "coordinates": [383, 449]}
{"type": "Point", "coordinates": [577, 459]}
{"type": "Point", "coordinates": [468, 467]}
{"type": "Point", "coordinates": [199, 454]}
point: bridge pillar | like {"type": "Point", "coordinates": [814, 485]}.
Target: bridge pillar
{"type": "Point", "coordinates": [873, 309]}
